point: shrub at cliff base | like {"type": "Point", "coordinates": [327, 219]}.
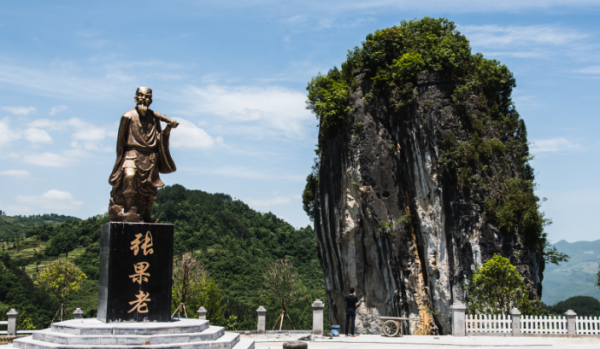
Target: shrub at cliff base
{"type": "Point", "coordinates": [496, 287]}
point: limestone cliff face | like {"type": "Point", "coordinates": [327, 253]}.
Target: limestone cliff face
{"type": "Point", "coordinates": [391, 222]}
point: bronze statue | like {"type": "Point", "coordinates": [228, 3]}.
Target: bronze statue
{"type": "Point", "coordinates": [142, 153]}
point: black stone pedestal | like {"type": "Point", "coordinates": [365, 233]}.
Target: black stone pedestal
{"type": "Point", "coordinates": [136, 266]}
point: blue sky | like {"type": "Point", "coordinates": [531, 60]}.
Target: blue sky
{"type": "Point", "coordinates": [234, 74]}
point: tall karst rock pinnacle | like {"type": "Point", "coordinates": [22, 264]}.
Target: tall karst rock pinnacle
{"type": "Point", "coordinates": [422, 174]}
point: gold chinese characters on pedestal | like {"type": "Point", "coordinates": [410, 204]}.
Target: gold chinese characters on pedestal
{"type": "Point", "coordinates": [142, 153]}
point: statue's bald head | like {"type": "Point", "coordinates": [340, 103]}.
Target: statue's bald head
{"type": "Point", "coordinates": [143, 99]}
{"type": "Point", "coordinates": [144, 90]}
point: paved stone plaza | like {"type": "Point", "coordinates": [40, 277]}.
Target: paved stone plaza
{"type": "Point", "coordinates": [426, 342]}
{"type": "Point", "coordinates": [92, 333]}
{"type": "Point", "coordinates": [272, 341]}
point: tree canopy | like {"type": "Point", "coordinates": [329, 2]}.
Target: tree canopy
{"type": "Point", "coordinates": [496, 287]}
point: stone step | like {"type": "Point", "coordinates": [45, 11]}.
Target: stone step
{"type": "Point", "coordinates": [210, 334]}
{"type": "Point", "coordinates": [228, 341]}
{"type": "Point", "coordinates": [97, 327]}
{"type": "Point", "coordinates": [244, 344]}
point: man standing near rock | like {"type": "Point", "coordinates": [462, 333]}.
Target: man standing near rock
{"type": "Point", "coordinates": [351, 303]}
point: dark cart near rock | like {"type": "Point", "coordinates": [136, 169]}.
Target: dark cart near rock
{"type": "Point", "coordinates": [393, 325]}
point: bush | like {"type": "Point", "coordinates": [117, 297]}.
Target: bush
{"type": "Point", "coordinates": [496, 287]}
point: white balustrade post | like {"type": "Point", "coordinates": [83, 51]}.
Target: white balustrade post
{"type": "Point", "coordinates": [11, 328]}
{"type": "Point", "coordinates": [515, 314]}
{"type": "Point", "coordinates": [571, 322]}
{"type": "Point", "coordinates": [459, 328]}
{"type": "Point", "coordinates": [78, 314]}
{"type": "Point", "coordinates": [262, 319]}
{"type": "Point", "coordinates": [201, 313]}
{"type": "Point", "coordinates": [318, 317]}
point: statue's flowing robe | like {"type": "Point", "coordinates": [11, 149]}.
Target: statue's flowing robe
{"type": "Point", "coordinates": [145, 148]}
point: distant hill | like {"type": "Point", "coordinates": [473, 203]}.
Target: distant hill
{"type": "Point", "coordinates": [11, 226]}
{"type": "Point", "coordinates": [582, 305]}
{"type": "Point", "coordinates": [574, 278]}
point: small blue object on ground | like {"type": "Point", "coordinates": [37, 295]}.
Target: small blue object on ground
{"type": "Point", "coordinates": [335, 330]}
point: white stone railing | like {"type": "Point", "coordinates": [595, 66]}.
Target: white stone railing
{"type": "Point", "coordinates": [516, 325]}
{"type": "Point", "coordinates": [488, 324]}
{"type": "Point", "coordinates": [588, 325]}
{"type": "Point", "coordinates": [544, 324]}
{"type": "Point", "coordinates": [317, 306]}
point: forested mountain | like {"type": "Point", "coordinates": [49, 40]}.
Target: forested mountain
{"type": "Point", "coordinates": [575, 277]}
{"type": "Point", "coordinates": [582, 305]}
{"type": "Point", "coordinates": [234, 242]}
{"type": "Point", "coordinates": [16, 226]}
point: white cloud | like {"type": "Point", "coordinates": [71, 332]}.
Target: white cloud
{"type": "Point", "coordinates": [278, 200]}
{"type": "Point", "coordinates": [35, 135]}
{"type": "Point", "coordinates": [58, 82]}
{"type": "Point", "coordinates": [89, 135]}
{"type": "Point", "coordinates": [320, 7]}
{"type": "Point", "coordinates": [52, 199]}
{"type": "Point", "coordinates": [553, 145]}
{"type": "Point", "coordinates": [67, 157]}
{"type": "Point", "coordinates": [238, 172]}
{"type": "Point", "coordinates": [275, 108]}
{"type": "Point", "coordinates": [188, 135]}
{"type": "Point", "coordinates": [57, 109]}
{"type": "Point", "coordinates": [250, 173]}
{"type": "Point", "coordinates": [20, 110]}
{"type": "Point", "coordinates": [461, 6]}
{"type": "Point", "coordinates": [106, 77]}
{"type": "Point", "coordinates": [510, 36]}
{"type": "Point", "coordinates": [7, 134]}
{"type": "Point", "coordinates": [595, 70]}
{"type": "Point", "coordinates": [534, 41]}
{"type": "Point", "coordinates": [15, 173]}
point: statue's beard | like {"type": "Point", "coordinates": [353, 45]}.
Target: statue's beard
{"type": "Point", "coordinates": [142, 108]}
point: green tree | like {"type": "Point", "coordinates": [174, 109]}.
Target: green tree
{"type": "Point", "coordinates": [62, 278]}
{"type": "Point", "coordinates": [63, 242]}
{"type": "Point", "coordinates": [189, 277]}
{"type": "Point", "coordinates": [328, 99]}
{"type": "Point", "coordinates": [283, 283]}
{"type": "Point", "coordinates": [308, 195]}
{"type": "Point", "coordinates": [25, 322]}
{"type": "Point", "coordinates": [211, 298]}
{"type": "Point", "coordinates": [551, 255]}
{"type": "Point", "coordinates": [496, 287]}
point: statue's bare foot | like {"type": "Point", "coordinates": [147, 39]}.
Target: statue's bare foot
{"type": "Point", "coordinates": [132, 215]}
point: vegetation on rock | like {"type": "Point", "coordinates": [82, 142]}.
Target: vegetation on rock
{"type": "Point", "coordinates": [392, 58]}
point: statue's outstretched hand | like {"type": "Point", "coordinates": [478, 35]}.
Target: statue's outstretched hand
{"type": "Point", "coordinates": [174, 124]}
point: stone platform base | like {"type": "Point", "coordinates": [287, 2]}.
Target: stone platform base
{"type": "Point", "coordinates": [94, 334]}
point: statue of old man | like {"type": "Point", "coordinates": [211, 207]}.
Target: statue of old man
{"type": "Point", "coordinates": [142, 153]}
